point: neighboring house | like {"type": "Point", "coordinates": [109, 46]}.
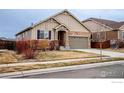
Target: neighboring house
{"type": "Point", "coordinates": [105, 30]}
{"type": "Point", "coordinates": [7, 43]}
{"type": "Point", "coordinates": [63, 26]}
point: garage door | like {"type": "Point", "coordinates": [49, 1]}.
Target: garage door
{"type": "Point", "coordinates": [78, 42]}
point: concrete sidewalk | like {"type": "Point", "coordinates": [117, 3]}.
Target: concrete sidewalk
{"type": "Point", "coordinates": [48, 62]}
{"type": "Point", "coordinates": [104, 52]}
{"type": "Point", "coordinates": [57, 69]}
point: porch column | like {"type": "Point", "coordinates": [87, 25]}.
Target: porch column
{"type": "Point", "coordinates": [89, 42]}
{"type": "Point", "coordinates": [52, 35]}
{"type": "Point", "coordinates": [67, 41]}
{"type": "Point", "coordinates": [56, 35]}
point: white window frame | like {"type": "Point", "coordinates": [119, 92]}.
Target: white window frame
{"type": "Point", "coordinates": [45, 33]}
{"type": "Point", "coordinates": [122, 35]}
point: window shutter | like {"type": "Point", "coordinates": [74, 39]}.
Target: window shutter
{"type": "Point", "coordinates": [38, 34]}
{"type": "Point", "coordinates": [49, 34]}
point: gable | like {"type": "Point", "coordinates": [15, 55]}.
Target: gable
{"type": "Point", "coordinates": [122, 27]}
{"type": "Point", "coordinates": [47, 25]}
{"type": "Point", "coordinates": [95, 27]}
{"type": "Point", "coordinates": [61, 27]}
{"type": "Point", "coordinates": [64, 18]}
{"type": "Point", "coordinates": [68, 20]}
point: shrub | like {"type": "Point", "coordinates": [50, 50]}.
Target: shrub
{"type": "Point", "coordinates": [27, 48]}
{"type": "Point", "coordinates": [43, 44]}
{"type": "Point", "coordinates": [54, 45]}
{"type": "Point", "coordinates": [29, 53]}
{"type": "Point", "coordinates": [51, 45]}
{"type": "Point", "coordinates": [34, 44]}
{"type": "Point", "coordinates": [20, 46]}
{"type": "Point", "coordinates": [121, 44]}
{"type": "Point", "coordinates": [56, 42]}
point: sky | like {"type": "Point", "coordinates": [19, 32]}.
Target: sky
{"type": "Point", "coordinates": [13, 21]}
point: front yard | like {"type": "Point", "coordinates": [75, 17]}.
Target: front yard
{"type": "Point", "coordinates": [8, 57]}
{"type": "Point", "coordinates": [61, 55]}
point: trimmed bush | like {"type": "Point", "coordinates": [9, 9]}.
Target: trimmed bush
{"type": "Point", "coordinates": [54, 45]}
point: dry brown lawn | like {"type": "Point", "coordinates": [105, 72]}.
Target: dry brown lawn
{"type": "Point", "coordinates": [43, 66]}
{"type": "Point", "coordinates": [116, 50]}
{"type": "Point", "coordinates": [7, 57]}
{"type": "Point", "coordinates": [59, 55]}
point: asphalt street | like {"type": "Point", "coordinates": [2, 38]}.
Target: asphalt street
{"type": "Point", "coordinates": [111, 71]}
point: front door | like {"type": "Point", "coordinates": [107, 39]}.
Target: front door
{"type": "Point", "coordinates": [61, 38]}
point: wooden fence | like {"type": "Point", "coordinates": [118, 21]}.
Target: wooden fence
{"type": "Point", "coordinates": [105, 44]}
{"type": "Point", "coordinates": [10, 45]}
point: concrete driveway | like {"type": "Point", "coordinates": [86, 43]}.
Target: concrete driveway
{"type": "Point", "coordinates": [104, 52]}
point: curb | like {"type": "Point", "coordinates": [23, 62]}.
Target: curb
{"type": "Point", "coordinates": [56, 69]}
{"type": "Point", "coordinates": [48, 62]}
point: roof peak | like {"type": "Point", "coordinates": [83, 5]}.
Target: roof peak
{"type": "Point", "coordinates": [53, 16]}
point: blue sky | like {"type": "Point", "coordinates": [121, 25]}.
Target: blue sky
{"type": "Point", "coordinates": [14, 20]}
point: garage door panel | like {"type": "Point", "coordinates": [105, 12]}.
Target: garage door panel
{"type": "Point", "coordinates": [78, 42]}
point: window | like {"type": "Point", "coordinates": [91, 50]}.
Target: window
{"type": "Point", "coordinates": [41, 34]}
{"type": "Point", "coordinates": [46, 34]}
{"type": "Point", "coordinates": [123, 35]}
{"type": "Point", "coordinates": [98, 35]}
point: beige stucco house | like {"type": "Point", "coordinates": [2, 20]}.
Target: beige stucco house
{"type": "Point", "coordinates": [63, 26]}
{"type": "Point", "coordinates": [103, 30]}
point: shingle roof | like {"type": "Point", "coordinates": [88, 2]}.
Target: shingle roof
{"type": "Point", "coordinates": [109, 23]}
{"type": "Point", "coordinates": [117, 25]}
{"type": "Point", "coordinates": [54, 19]}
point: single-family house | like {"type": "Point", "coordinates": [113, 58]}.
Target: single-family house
{"type": "Point", "coordinates": [63, 26]}
{"type": "Point", "coordinates": [105, 31]}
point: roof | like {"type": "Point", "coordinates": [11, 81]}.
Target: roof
{"type": "Point", "coordinates": [59, 22]}
{"type": "Point", "coordinates": [117, 25]}
{"type": "Point", "coordinates": [30, 27]}
{"type": "Point", "coordinates": [6, 39]}
{"type": "Point", "coordinates": [26, 29]}
{"type": "Point", "coordinates": [109, 23]}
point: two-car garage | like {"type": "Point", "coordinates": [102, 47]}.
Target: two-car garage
{"type": "Point", "coordinates": [78, 42]}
